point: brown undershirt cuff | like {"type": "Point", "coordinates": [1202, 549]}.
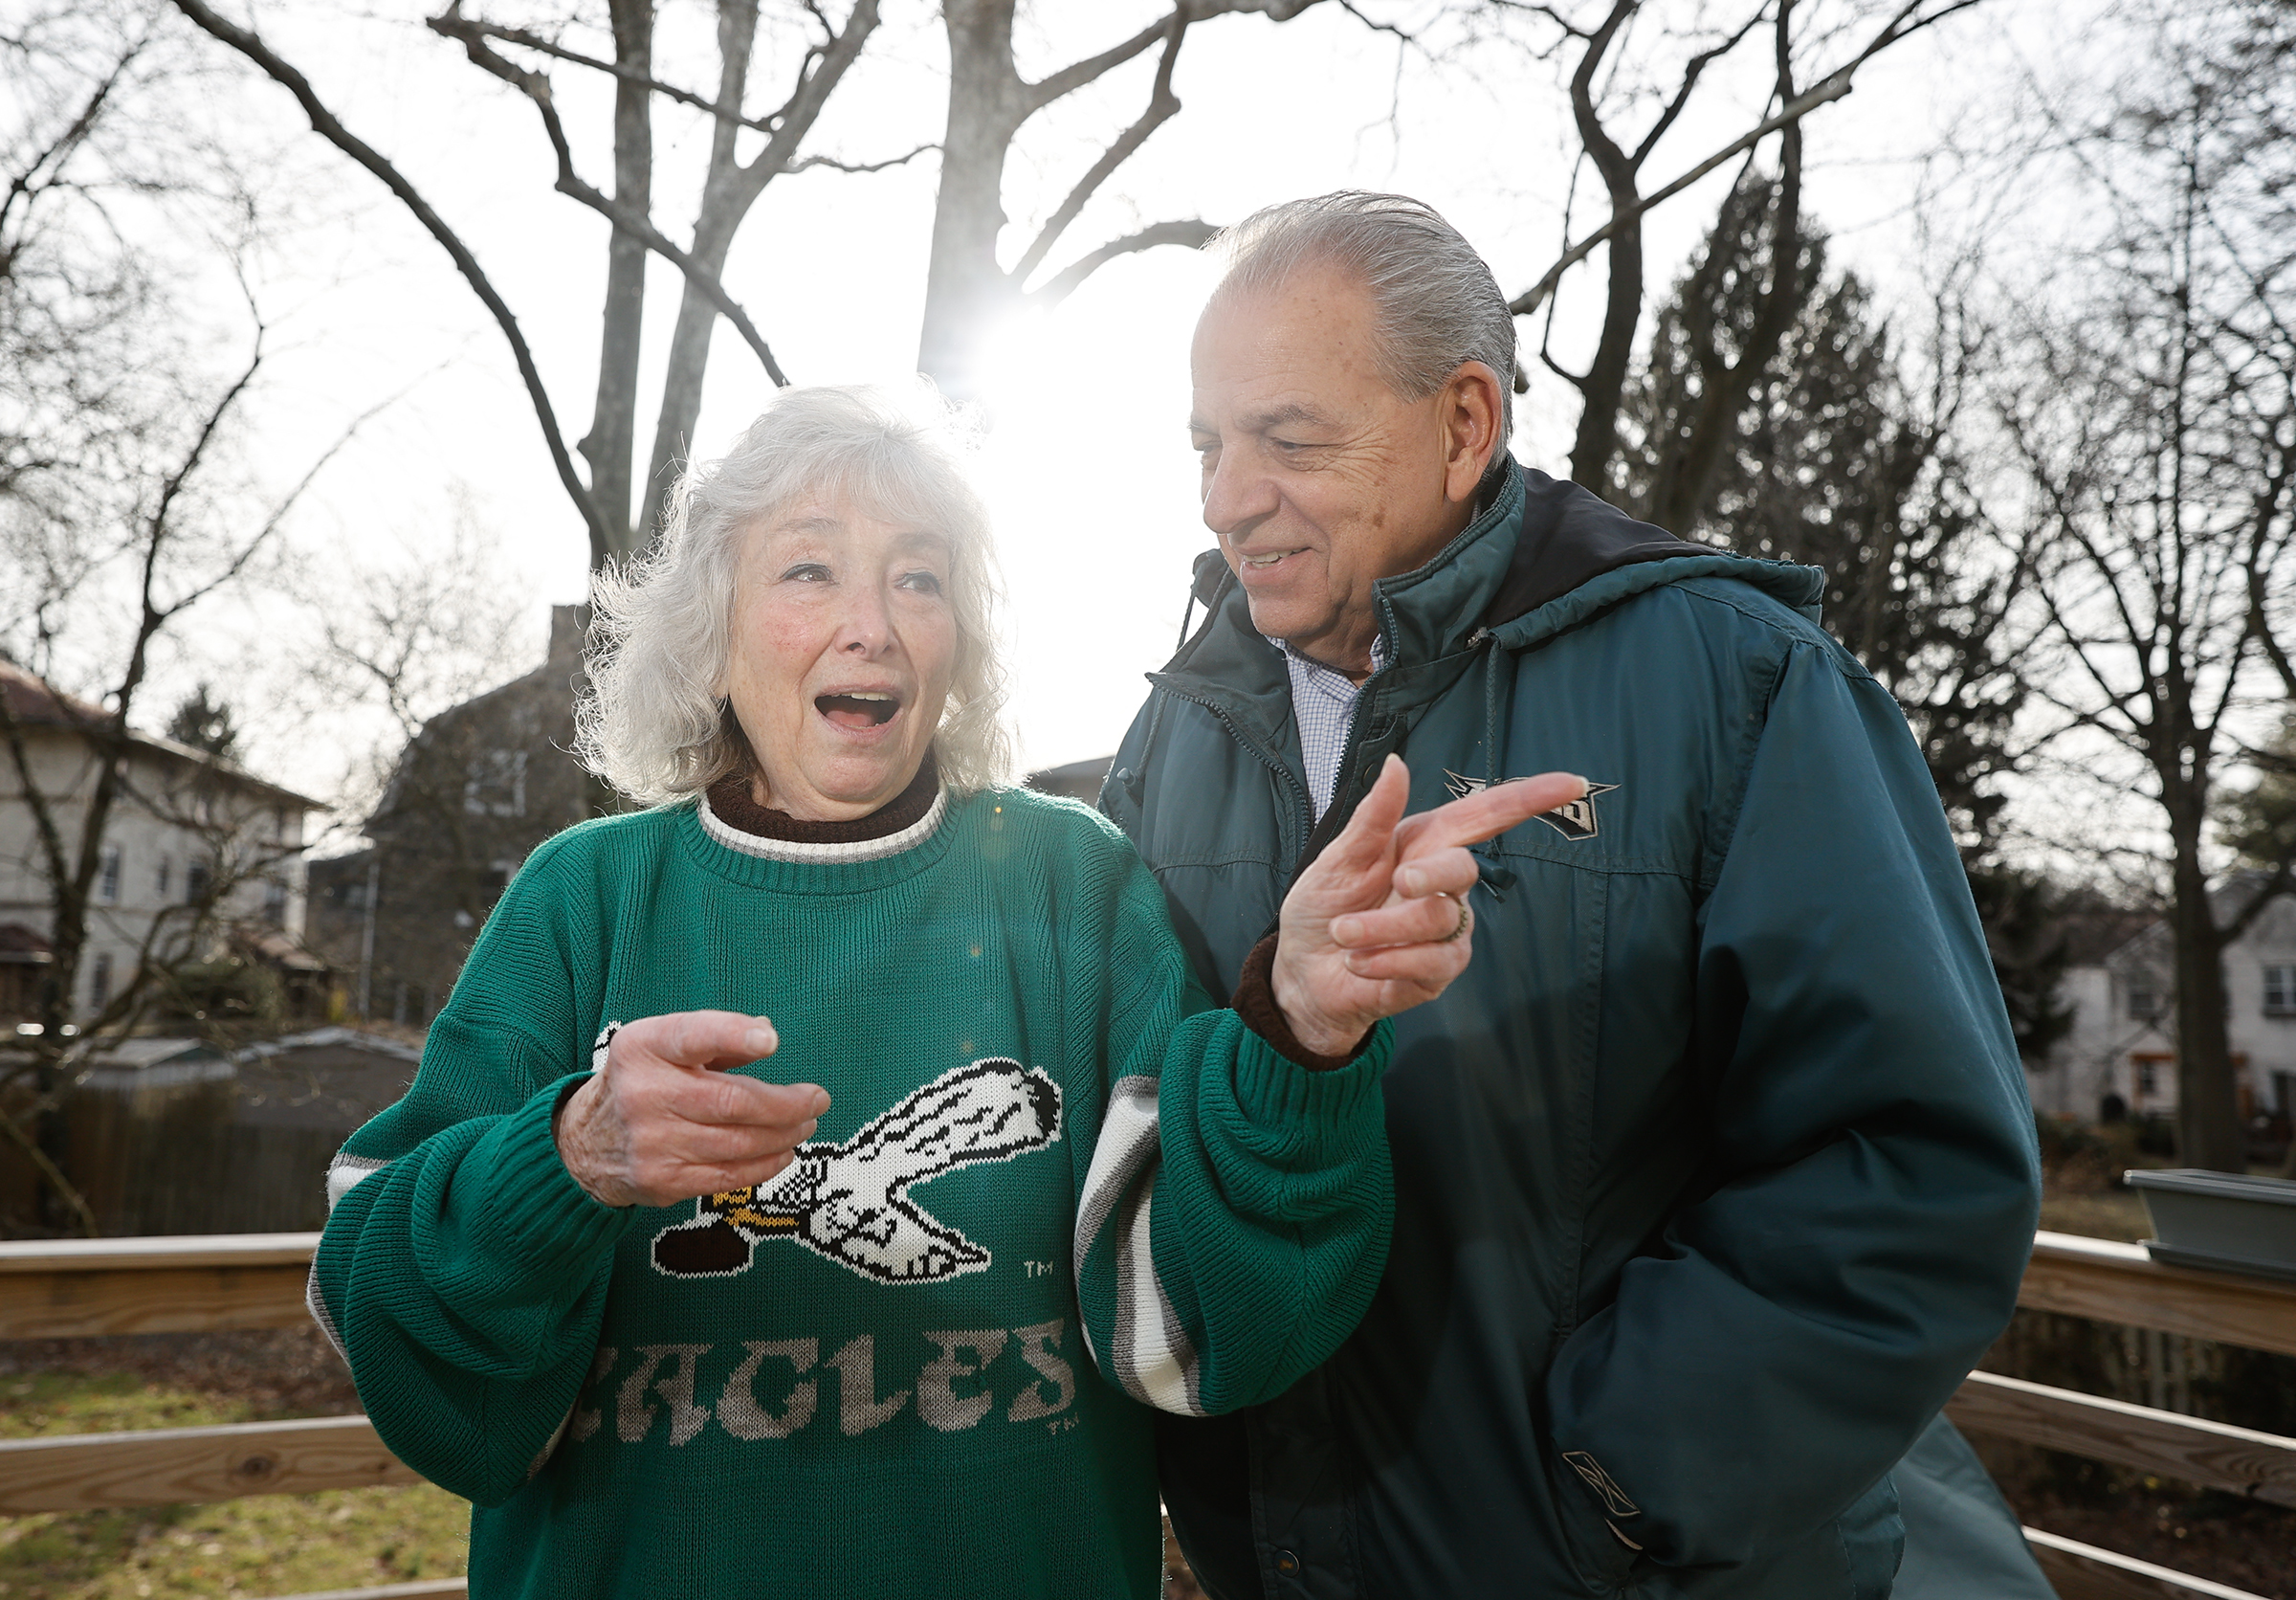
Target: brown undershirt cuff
{"type": "Point", "coordinates": [1254, 1002]}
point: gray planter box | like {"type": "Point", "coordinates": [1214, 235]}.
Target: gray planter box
{"type": "Point", "coordinates": [2220, 1220]}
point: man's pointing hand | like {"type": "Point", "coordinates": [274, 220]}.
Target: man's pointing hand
{"type": "Point", "coordinates": [1378, 923]}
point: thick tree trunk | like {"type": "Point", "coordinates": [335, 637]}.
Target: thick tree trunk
{"type": "Point", "coordinates": [52, 1130]}
{"type": "Point", "coordinates": [1603, 389]}
{"type": "Point", "coordinates": [729, 190]}
{"type": "Point", "coordinates": [1680, 495]}
{"type": "Point", "coordinates": [966, 290]}
{"type": "Point", "coordinates": [2208, 1119]}
{"type": "Point", "coordinates": [612, 437]}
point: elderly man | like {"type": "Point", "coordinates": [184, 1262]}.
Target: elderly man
{"type": "Point", "coordinates": [1716, 1172]}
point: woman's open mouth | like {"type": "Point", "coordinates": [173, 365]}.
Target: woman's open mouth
{"type": "Point", "coordinates": [859, 708]}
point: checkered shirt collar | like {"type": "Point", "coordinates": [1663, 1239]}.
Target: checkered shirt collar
{"type": "Point", "coordinates": [1323, 704]}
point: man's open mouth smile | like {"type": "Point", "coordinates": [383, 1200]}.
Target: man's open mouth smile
{"type": "Point", "coordinates": [1262, 562]}
{"type": "Point", "coordinates": [859, 709]}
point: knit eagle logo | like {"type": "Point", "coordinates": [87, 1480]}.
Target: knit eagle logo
{"type": "Point", "coordinates": [850, 1202]}
{"type": "Point", "coordinates": [1574, 820]}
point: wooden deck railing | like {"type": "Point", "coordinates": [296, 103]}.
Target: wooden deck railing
{"type": "Point", "coordinates": [165, 1286]}
{"type": "Point", "coordinates": [202, 1284]}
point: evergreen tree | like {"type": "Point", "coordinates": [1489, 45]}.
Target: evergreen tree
{"type": "Point", "coordinates": [205, 723]}
{"type": "Point", "coordinates": [1822, 456]}
{"type": "Point", "coordinates": [1829, 461]}
{"type": "Point", "coordinates": [2261, 822]}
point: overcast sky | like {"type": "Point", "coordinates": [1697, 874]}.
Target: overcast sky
{"type": "Point", "coordinates": [1086, 465]}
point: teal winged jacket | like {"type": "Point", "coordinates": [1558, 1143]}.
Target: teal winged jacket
{"type": "Point", "coordinates": [1714, 1172]}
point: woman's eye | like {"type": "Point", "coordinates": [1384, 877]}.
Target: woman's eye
{"type": "Point", "coordinates": [807, 572]}
{"type": "Point", "coordinates": [920, 583]}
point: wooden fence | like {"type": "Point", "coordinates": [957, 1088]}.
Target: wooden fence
{"type": "Point", "coordinates": [256, 1280]}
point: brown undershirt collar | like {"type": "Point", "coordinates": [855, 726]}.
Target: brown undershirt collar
{"type": "Point", "coordinates": [731, 802]}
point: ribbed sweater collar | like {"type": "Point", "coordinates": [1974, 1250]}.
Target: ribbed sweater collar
{"type": "Point", "coordinates": [731, 819]}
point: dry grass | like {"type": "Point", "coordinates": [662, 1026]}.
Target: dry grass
{"type": "Point", "coordinates": [263, 1545]}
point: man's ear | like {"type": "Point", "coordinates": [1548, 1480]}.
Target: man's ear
{"type": "Point", "coordinates": [1470, 411]}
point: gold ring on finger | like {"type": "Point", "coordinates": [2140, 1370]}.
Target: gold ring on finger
{"type": "Point", "coordinates": [1461, 928]}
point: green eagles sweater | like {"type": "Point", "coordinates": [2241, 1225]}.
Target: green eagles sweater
{"type": "Point", "coordinates": [875, 1375]}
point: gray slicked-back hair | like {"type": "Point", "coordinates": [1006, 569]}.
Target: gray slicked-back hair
{"type": "Point", "coordinates": [655, 723]}
{"type": "Point", "coordinates": [1438, 304]}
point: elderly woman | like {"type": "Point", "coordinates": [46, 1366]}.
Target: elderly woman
{"type": "Point", "coordinates": [682, 1330]}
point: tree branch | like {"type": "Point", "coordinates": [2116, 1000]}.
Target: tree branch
{"type": "Point", "coordinates": [453, 25]}
{"type": "Point", "coordinates": [23, 186]}
{"type": "Point", "coordinates": [1035, 96]}
{"type": "Point", "coordinates": [1902, 26]}
{"type": "Point", "coordinates": [1689, 82]}
{"type": "Point", "coordinates": [1533, 297]}
{"type": "Point", "coordinates": [1162, 105]}
{"type": "Point", "coordinates": [1192, 233]}
{"type": "Point", "coordinates": [802, 108]}
{"type": "Point", "coordinates": [636, 225]}
{"type": "Point", "coordinates": [331, 128]}
{"type": "Point", "coordinates": [806, 163]}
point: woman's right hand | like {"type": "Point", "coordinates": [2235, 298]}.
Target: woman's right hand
{"type": "Point", "coordinates": [663, 1121]}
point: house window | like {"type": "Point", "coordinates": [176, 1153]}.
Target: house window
{"type": "Point", "coordinates": [495, 785]}
{"type": "Point", "coordinates": [2144, 996]}
{"type": "Point", "coordinates": [2148, 1077]}
{"type": "Point", "coordinates": [2280, 990]}
{"type": "Point", "coordinates": [165, 879]}
{"type": "Point", "coordinates": [107, 876]}
{"type": "Point", "coordinates": [100, 981]}
{"type": "Point", "coordinates": [195, 884]}
{"type": "Point", "coordinates": [274, 901]}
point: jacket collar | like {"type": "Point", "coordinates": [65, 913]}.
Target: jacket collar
{"type": "Point", "coordinates": [1544, 555]}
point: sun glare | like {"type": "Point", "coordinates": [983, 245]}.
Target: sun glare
{"type": "Point", "coordinates": [1086, 469]}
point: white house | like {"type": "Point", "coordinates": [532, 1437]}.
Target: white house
{"type": "Point", "coordinates": [2121, 1047]}
{"type": "Point", "coordinates": [188, 833]}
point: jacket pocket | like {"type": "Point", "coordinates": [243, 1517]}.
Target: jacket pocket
{"type": "Point", "coordinates": [1873, 1541]}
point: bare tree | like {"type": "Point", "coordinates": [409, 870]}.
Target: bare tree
{"type": "Point", "coordinates": [1608, 85]}
{"type": "Point", "coordinates": [124, 504]}
{"type": "Point", "coordinates": [406, 634]}
{"type": "Point", "coordinates": [171, 558]}
{"type": "Point", "coordinates": [2152, 410]}
{"type": "Point", "coordinates": [967, 287]}
{"type": "Point", "coordinates": [604, 497]}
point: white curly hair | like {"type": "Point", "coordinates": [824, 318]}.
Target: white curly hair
{"type": "Point", "coordinates": [656, 723]}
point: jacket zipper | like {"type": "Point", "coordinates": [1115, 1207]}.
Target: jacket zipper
{"type": "Point", "coordinates": [1303, 807]}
